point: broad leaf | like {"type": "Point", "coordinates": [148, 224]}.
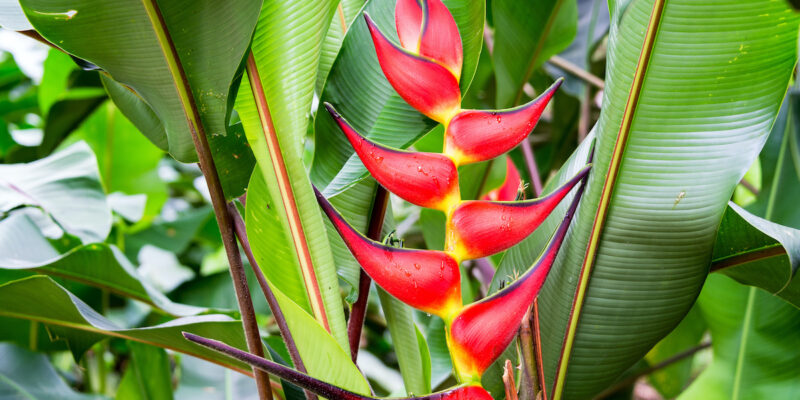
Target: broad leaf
{"type": "Point", "coordinates": [147, 376]}
{"type": "Point", "coordinates": [27, 375]}
{"type": "Point", "coordinates": [66, 186]}
{"type": "Point", "coordinates": [342, 19]}
{"type": "Point", "coordinates": [12, 17]}
{"type": "Point", "coordinates": [277, 92]}
{"type": "Point", "coordinates": [653, 235]}
{"type": "Point", "coordinates": [673, 379]}
{"type": "Point", "coordinates": [22, 246]}
{"type": "Point", "coordinates": [203, 380]}
{"type": "Point", "coordinates": [755, 340]}
{"type": "Point", "coordinates": [71, 319]}
{"type": "Point", "coordinates": [158, 39]}
{"type": "Point", "coordinates": [757, 252]}
{"type": "Point", "coordinates": [526, 35]}
{"type": "Point", "coordinates": [358, 89]}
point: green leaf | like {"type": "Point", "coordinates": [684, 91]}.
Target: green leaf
{"type": "Point", "coordinates": [147, 376]}
{"type": "Point", "coordinates": [285, 55]}
{"type": "Point", "coordinates": [128, 162]}
{"type": "Point", "coordinates": [670, 381]}
{"type": "Point", "coordinates": [754, 337]}
{"type": "Point", "coordinates": [71, 319]}
{"type": "Point", "coordinates": [526, 35]}
{"type": "Point", "coordinates": [22, 246]}
{"type": "Point", "coordinates": [137, 52]}
{"type": "Point", "coordinates": [400, 319]}
{"type": "Point", "coordinates": [66, 186]}
{"type": "Point", "coordinates": [651, 249]}
{"type": "Point", "coordinates": [358, 89]}
{"type": "Point", "coordinates": [342, 19]}
{"type": "Point", "coordinates": [203, 380]}
{"type": "Point", "coordinates": [757, 252]}
{"type": "Point", "coordinates": [28, 375]}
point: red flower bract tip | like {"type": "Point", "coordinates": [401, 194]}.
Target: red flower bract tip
{"type": "Point", "coordinates": [424, 279]}
{"type": "Point", "coordinates": [425, 179]}
{"type": "Point", "coordinates": [510, 187]}
{"type": "Point", "coordinates": [427, 28]}
{"type": "Point", "coordinates": [476, 135]}
{"type": "Point", "coordinates": [480, 228]}
{"type": "Point", "coordinates": [422, 82]}
{"type": "Point", "coordinates": [483, 330]}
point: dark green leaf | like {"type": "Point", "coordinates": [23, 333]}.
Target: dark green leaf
{"type": "Point", "coordinates": [147, 376]}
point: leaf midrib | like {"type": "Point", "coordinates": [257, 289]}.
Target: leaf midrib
{"type": "Point", "coordinates": [607, 192]}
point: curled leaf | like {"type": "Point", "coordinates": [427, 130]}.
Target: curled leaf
{"type": "Point", "coordinates": [424, 279]}
{"type": "Point", "coordinates": [478, 135]}
{"type": "Point", "coordinates": [422, 82]}
{"type": "Point", "coordinates": [425, 179]}
{"type": "Point", "coordinates": [481, 228]}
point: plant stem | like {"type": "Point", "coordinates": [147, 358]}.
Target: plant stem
{"type": "Point", "coordinates": [530, 384]}
{"type": "Point", "coordinates": [275, 308]}
{"type": "Point", "coordinates": [508, 381]}
{"type": "Point", "coordinates": [577, 71]}
{"type": "Point", "coordinates": [359, 311]}
{"type": "Point", "coordinates": [533, 170]}
{"type": "Point", "coordinates": [209, 169]}
{"type": "Point", "coordinates": [647, 371]}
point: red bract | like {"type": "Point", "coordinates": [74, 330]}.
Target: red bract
{"type": "Point", "coordinates": [423, 83]}
{"type": "Point", "coordinates": [425, 179]}
{"type": "Point", "coordinates": [483, 330]}
{"type": "Point", "coordinates": [427, 28]}
{"type": "Point", "coordinates": [510, 187]}
{"type": "Point", "coordinates": [468, 393]}
{"type": "Point", "coordinates": [424, 279]}
{"type": "Point", "coordinates": [477, 135]}
{"type": "Point", "coordinates": [481, 228]}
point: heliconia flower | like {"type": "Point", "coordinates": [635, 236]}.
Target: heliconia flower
{"type": "Point", "coordinates": [510, 187]}
{"type": "Point", "coordinates": [427, 28]}
{"type": "Point", "coordinates": [424, 279]}
{"type": "Point", "coordinates": [319, 387]}
{"type": "Point", "coordinates": [477, 135]}
{"type": "Point", "coordinates": [480, 228]}
{"type": "Point", "coordinates": [422, 82]}
{"type": "Point", "coordinates": [483, 330]}
{"type": "Point", "coordinates": [425, 179]}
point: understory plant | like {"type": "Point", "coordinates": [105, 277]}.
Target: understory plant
{"type": "Point", "coordinates": [559, 199]}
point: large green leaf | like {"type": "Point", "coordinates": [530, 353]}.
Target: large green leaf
{"type": "Point", "coordinates": [70, 318]}
{"type": "Point", "coordinates": [136, 52]}
{"type": "Point", "coordinates": [285, 57]}
{"type": "Point", "coordinates": [342, 19]}
{"type": "Point", "coordinates": [654, 233]}
{"type": "Point", "coordinates": [757, 252]}
{"type": "Point", "coordinates": [66, 186]}
{"type": "Point", "coordinates": [755, 339]}
{"type": "Point", "coordinates": [147, 376]}
{"type": "Point", "coordinates": [27, 375]}
{"type": "Point", "coordinates": [671, 380]}
{"type": "Point", "coordinates": [526, 35]}
{"type": "Point", "coordinates": [22, 246]}
{"type": "Point", "coordinates": [358, 89]}
{"type": "Point", "coordinates": [128, 162]}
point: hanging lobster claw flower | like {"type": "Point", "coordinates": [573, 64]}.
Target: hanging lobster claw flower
{"type": "Point", "coordinates": [319, 387]}
{"type": "Point", "coordinates": [483, 330]}
{"type": "Point", "coordinates": [427, 28]}
{"type": "Point", "coordinates": [477, 135]}
{"type": "Point", "coordinates": [424, 279]}
{"type": "Point", "coordinates": [510, 187]}
{"type": "Point", "coordinates": [425, 179]}
{"type": "Point", "coordinates": [423, 83]}
{"type": "Point", "coordinates": [481, 228]}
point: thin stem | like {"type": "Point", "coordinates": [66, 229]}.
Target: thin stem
{"type": "Point", "coordinates": [577, 72]}
{"type": "Point", "coordinates": [647, 371]}
{"type": "Point", "coordinates": [533, 170]}
{"type": "Point", "coordinates": [359, 311]}
{"type": "Point", "coordinates": [209, 169]}
{"type": "Point", "coordinates": [537, 345]}
{"type": "Point", "coordinates": [275, 308]}
{"type": "Point", "coordinates": [586, 113]}
{"type": "Point", "coordinates": [749, 186]}
{"type": "Point", "coordinates": [508, 381]}
{"type": "Point", "coordinates": [530, 384]}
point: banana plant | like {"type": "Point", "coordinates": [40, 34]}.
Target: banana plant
{"type": "Point", "coordinates": [341, 143]}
